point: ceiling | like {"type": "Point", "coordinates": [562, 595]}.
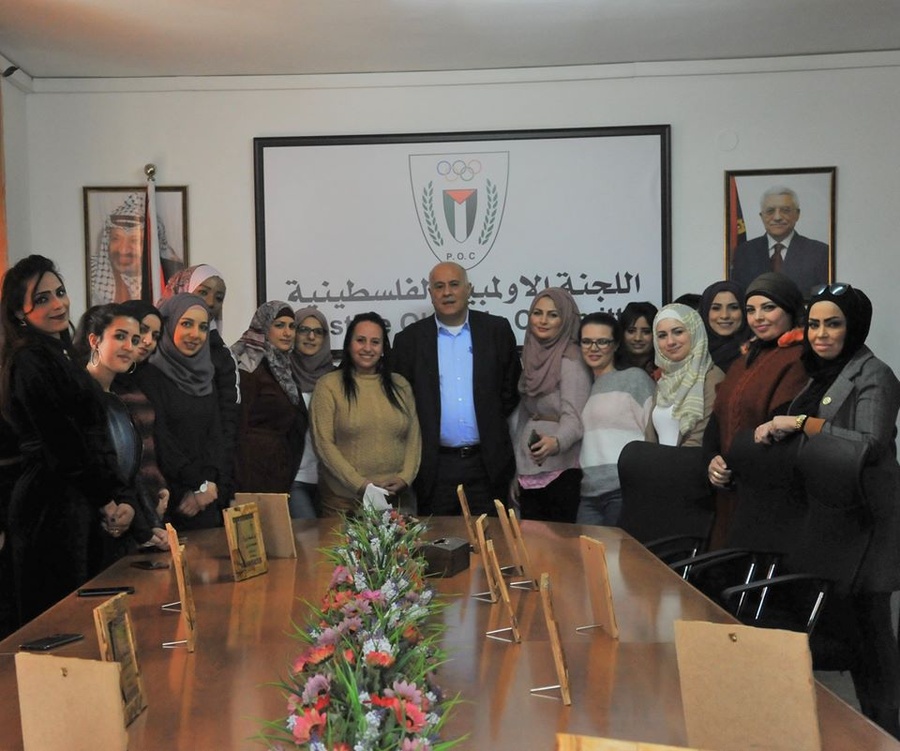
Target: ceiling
{"type": "Point", "coordinates": [139, 38]}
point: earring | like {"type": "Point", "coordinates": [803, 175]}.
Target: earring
{"type": "Point", "coordinates": [94, 352]}
{"type": "Point", "coordinates": [23, 323]}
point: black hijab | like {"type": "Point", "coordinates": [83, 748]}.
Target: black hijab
{"type": "Point", "coordinates": [724, 350]}
{"type": "Point", "coordinates": [192, 375]}
{"type": "Point", "coordinates": [782, 291]}
{"type": "Point", "coordinates": [857, 309]}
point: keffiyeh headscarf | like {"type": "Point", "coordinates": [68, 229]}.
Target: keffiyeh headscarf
{"type": "Point", "coordinates": [130, 216]}
{"type": "Point", "coordinates": [254, 346]}
{"type": "Point", "coordinates": [542, 360]}
{"type": "Point", "coordinates": [193, 375]}
{"type": "Point", "coordinates": [187, 280]}
{"type": "Point", "coordinates": [681, 384]}
{"type": "Point", "coordinates": [310, 368]}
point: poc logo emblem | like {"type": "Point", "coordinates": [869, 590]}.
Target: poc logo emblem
{"type": "Point", "coordinates": [459, 201]}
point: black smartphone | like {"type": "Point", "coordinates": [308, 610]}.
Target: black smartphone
{"type": "Point", "coordinates": [149, 565]}
{"type": "Point", "coordinates": [104, 591]}
{"type": "Point", "coordinates": [50, 642]}
{"type": "Point", "coordinates": [533, 438]}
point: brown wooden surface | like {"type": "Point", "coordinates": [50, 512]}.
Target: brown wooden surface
{"type": "Point", "coordinates": [214, 698]}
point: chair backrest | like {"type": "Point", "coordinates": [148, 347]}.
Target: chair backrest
{"type": "Point", "coordinates": [838, 528]}
{"type": "Point", "coordinates": [664, 492]}
{"type": "Point", "coordinates": [771, 507]}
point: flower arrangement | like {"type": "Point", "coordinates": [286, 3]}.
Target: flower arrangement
{"type": "Point", "coordinates": [364, 680]}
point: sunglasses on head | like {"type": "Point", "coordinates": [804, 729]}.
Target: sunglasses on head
{"type": "Point", "coordinates": [837, 289]}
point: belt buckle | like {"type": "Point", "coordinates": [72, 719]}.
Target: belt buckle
{"type": "Point", "coordinates": [466, 451]}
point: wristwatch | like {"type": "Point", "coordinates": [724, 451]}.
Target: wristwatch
{"type": "Point", "coordinates": [204, 486]}
{"type": "Point", "coordinates": [800, 422]}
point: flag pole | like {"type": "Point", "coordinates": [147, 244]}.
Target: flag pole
{"type": "Point", "coordinates": [153, 233]}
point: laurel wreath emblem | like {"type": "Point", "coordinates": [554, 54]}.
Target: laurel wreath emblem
{"type": "Point", "coordinates": [428, 212]}
{"type": "Point", "coordinates": [487, 228]}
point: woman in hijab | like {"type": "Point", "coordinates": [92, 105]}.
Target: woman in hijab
{"type": "Point", "coordinates": [274, 419]}
{"type": "Point", "coordinates": [179, 382]}
{"type": "Point", "coordinates": [555, 386]}
{"type": "Point", "coordinates": [686, 390]}
{"type": "Point", "coordinates": [310, 360]}
{"type": "Point", "coordinates": [722, 311]}
{"type": "Point", "coordinates": [853, 396]}
{"type": "Point", "coordinates": [206, 282]}
{"type": "Point", "coordinates": [758, 384]}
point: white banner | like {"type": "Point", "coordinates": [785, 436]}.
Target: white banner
{"type": "Point", "coordinates": [355, 224]}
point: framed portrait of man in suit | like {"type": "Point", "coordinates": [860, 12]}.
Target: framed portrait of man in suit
{"type": "Point", "coordinates": [780, 220]}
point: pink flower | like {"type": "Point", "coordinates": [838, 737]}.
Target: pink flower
{"type": "Point", "coordinates": [411, 715]}
{"type": "Point", "coordinates": [406, 691]}
{"type": "Point", "coordinates": [415, 744]}
{"type": "Point", "coordinates": [306, 723]}
{"type": "Point", "coordinates": [340, 576]}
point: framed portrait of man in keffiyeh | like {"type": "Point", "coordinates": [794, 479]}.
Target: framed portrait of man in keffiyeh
{"type": "Point", "coordinates": [116, 241]}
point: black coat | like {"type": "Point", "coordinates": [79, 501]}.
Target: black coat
{"type": "Point", "coordinates": [68, 474]}
{"type": "Point", "coordinates": [189, 444]}
{"type": "Point", "coordinates": [495, 376]}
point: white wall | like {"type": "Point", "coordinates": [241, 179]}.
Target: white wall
{"type": "Point", "coordinates": [15, 135]}
{"type": "Point", "coordinates": [792, 112]}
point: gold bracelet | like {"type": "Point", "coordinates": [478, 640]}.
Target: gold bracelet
{"type": "Point", "coordinates": [800, 422]}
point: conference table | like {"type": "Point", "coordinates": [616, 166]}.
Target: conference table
{"type": "Point", "coordinates": [217, 697]}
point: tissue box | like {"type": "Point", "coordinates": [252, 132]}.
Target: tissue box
{"type": "Point", "coordinates": [447, 556]}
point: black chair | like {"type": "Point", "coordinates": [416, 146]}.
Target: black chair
{"type": "Point", "coordinates": [667, 504]}
{"type": "Point", "coordinates": [823, 562]}
{"type": "Point", "coordinates": [770, 512]}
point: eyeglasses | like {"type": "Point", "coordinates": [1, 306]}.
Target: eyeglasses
{"type": "Point", "coordinates": [837, 289]}
{"type": "Point", "coordinates": [304, 330]}
{"type": "Point", "coordinates": [598, 343]}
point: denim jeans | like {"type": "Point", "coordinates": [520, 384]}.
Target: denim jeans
{"type": "Point", "coordinates": [303, 500]}
{"type": "Point", "coordinates": [602, 510]}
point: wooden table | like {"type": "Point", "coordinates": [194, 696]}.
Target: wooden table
{"type": "Point", "coordinates": [214, 698]}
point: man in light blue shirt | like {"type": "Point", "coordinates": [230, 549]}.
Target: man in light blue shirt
{"type": "Point", "coordinates": [464, 370]}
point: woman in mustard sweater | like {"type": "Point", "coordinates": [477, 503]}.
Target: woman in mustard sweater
{"type": "Point", "coordinates": [364, 423]}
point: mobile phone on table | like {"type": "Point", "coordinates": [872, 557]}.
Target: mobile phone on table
{"type": "Point", "coordinates": [149, 565]}
{"type": "Point", "coordinates": [46, 643]}
{"type": "Point", "coordinates": [104, 591]}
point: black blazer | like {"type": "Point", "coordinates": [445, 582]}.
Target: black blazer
{"type": "Point", "coordinates": [495, 373]}
{"type": "Point", "coordinates": [806, 262]}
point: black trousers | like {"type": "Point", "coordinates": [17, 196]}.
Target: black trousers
{"type": "Point", "coordinates": [876, 677]}
{"type": "Point", "coordinates": [454, 470]}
